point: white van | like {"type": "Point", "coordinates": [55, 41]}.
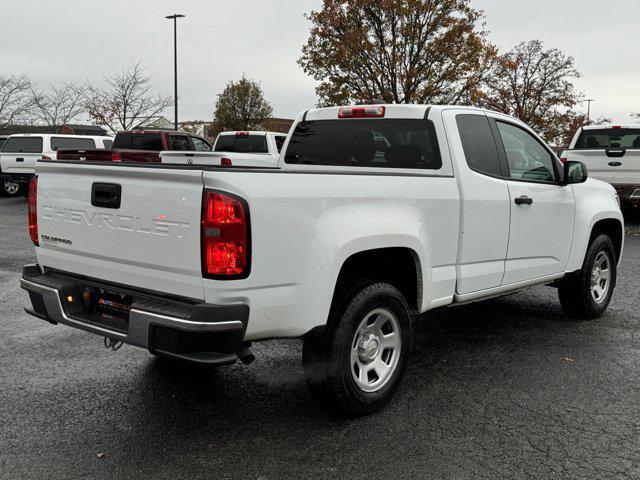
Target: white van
{"type": "Point", "coordinates": [20, 152]}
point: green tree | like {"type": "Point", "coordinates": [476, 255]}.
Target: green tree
{"type": "Point", "coordinates": [400, 51]}
{"type": "Point", "coordinates": [242, 106]}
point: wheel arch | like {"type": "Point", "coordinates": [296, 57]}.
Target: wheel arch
{"type": "Point", "coordinates": [399, 266]}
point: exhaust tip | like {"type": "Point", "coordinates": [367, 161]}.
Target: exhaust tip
{"type": "Point", "coordinates": [245, 354]}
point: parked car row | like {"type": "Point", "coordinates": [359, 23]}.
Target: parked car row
{"type": "Point", "coordinates": [370, 214]}
{"type": "Point", "coordinates": [18, 157]}
{"type": "Point", "coordinates": [18, 154]}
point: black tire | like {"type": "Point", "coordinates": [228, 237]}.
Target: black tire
{"type": "Point", "coordinates": [327, 353]}
{"type": "Point", "coordinates": [11, 189]}
{"type": "Point", "coordinates": [575, 291]}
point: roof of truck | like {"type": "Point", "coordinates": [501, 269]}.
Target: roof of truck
{"type": "Point", "coordinates": [251, 132]}
{"type": "Point", "coordinates": [611, 125]}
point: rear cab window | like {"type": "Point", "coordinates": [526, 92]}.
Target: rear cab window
{"type": "Point", "coordinates": [607, 138]}
{"type": "Point", "coordinates": [23, 145]}
{"type": "Point", "coordinates": [66, 143]}
{"type": "Point", "coordinates": [107, 144]}
{"type": "Point", "coordinates": [379, 143]}
{"type": "Point", "coordinates": [242, 143]}
{"type": "Point", "coordinates": [138, 141]}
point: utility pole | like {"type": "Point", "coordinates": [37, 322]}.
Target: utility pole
{"type": "Point", "coordinates": [589, 100]}
{"type": "Point", "coordinates": [175, 18]}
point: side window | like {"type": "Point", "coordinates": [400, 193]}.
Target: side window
{"type": "Point", "coordinates": [146, 141]}
{"type": "Point", "coordinates": [23, 145]}
{"type": "Point", "coordinates": [280, 142]}
{"type": "Point", "coordinates": [180, 142]}
{"type": "Point", "coordinates": [69, 143]}
{"type": "Point", "coordinates": [478, 143]}
{"type": "Point", "coordinates": [527, 158]}
{"type": "Point", "coordinates": [201, 145]}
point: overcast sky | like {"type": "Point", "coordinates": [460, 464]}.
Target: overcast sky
{"type": "Point", "coordinates": [79, 40]}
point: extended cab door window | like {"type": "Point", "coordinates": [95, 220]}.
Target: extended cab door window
{"type": "Point", "coordinates": [526, 157]}
{"type": "Point", "coordinates": [479, 146]}
{"type": "Point", "coordinates": [279, 139]}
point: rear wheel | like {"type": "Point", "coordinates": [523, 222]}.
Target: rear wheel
{"type": "Point", "coordinates": [11, 189]}
{"type": "Point", "coordinates": [355, 364]}
{"type": "Point", "coordinates": [587, 293]}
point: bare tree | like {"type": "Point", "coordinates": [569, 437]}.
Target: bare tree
{"type": "Point", "coordinates": [16, 100]}
{"type": "Point", "coordinates": [59, 106]}
{"type": "Point", "coordinates": [534, 85]}
{"type": "Point", "coordinates": [126, 103]}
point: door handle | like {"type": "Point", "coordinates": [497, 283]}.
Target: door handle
{"type": "Point", "coordinates": [106, 195]}
{"type": "Point", "coordinates": [615, 164]}
{"type": "Point", "coordinates": [524, 200]}
{"type": "Point", "coordinates": [19, 159]}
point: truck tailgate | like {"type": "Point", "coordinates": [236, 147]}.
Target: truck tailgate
{"type": "Point", "coordinates": [95, 155]}
{"type": "Point", "coordinates": [618, 167]}
{"type": "Point", "coordinates": [151, 240]}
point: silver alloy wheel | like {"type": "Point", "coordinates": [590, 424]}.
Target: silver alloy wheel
{"type": "Point", "coordinates": [11, 188]}
{"type": "Point", "coordinates": [601, 277]}
{"type": "Point", "coordinates": [375, 350]}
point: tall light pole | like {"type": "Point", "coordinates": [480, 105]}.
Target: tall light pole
{"type": "Point", "coordinates": [175, 18]}
{"type": "Point", "coordinates": [589, 100]}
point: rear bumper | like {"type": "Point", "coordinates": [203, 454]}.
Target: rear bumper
{"type": "Point", "coordinates": [16, 177]}
{"type": "Point", "coordinates": [196, 332]}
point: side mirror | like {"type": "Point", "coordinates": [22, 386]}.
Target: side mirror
{"type": "Point", "coordinates": [575, 172]}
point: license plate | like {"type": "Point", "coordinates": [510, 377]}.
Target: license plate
{"type": "Point", "coordinates": [113, 308]}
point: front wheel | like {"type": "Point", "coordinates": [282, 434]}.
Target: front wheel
{"type": "Point", "coordinates": [356, 363]}
{"type": "Point", "coordinates": [587, 293]}
{"type": "Point", "coordinates": [11, 189]}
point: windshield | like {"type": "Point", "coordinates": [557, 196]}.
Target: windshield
{"type": "Point", "coordinates": [609, 138]}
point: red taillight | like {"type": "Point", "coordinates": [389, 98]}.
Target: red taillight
{"type": "Point", "coordinates": [563, 160]}
{"type": "Point", "coordinates": [225, 236]}
{"type": "Point", "coordinates": [47, 157]}
{"type": "Point", "coordinates": [616, 127]}
{"type": "Point", "coordinates": [226, 162]}
{"type": "Point", "coordinates": [376, 111]}
{"type": "Point", "coordinates": [33, 210]}
{"type": "Point", "coordinates": [115, 157]}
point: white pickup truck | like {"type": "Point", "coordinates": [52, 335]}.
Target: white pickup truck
{"type": "Point", "coordinates": [611, 154]}
{"type": "Point", "coordinates": [240, 149]}
{"type": "Point", "coordinates": [373, 214]}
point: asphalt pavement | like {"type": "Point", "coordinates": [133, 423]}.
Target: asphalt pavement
{"type": "Point", "coordinates": [508, 388]}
